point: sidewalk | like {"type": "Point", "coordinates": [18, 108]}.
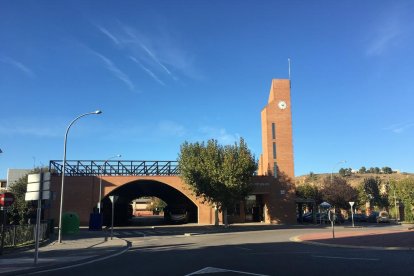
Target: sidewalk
{"type": "Point", "coordinates": [86, 246]}
{"type": "Point", "coordinates": [395, 238]}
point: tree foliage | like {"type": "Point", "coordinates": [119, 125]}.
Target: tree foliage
{"type": "Point", "coordinates": [404, 190]}
{"type": "Point", "coordinates": [387, 170]}
{"type": "Point", "coordinates": [345, 172]}
{"type": "Point", "coordinates": [309, 191]}
{"type": "Point", "coordinates": [338, 192]}
{"type": "Point", "coordinates": [362, 170]}
{"type": "Point", "coordinates": [219, 174]}
{"type": "Point", "coordinates": [368, 191]}
{"type": "Point", "coordinates": [21, 210]}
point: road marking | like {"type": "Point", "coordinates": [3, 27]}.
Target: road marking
{"type": "Point", "coordinates": [346, 258]}
{"type": "Point", "coordinates": [244, 248]}
{"type": "Point", "coordinates": [81, 264]}
{"type": "Point", "coordinates": [218, 270]}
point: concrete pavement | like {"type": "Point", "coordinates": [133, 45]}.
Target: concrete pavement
{"type": "Point", "coordinates": [81, 248]}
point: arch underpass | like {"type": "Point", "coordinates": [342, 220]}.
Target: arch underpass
{"type": "Point", "coordinates": [146, 188]}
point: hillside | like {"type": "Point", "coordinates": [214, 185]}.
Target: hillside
{"type": "Point", "coordinates": [355, 179]}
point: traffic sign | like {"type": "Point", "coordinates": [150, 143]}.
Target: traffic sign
{"type": "Point", "coordinates": [35, 195]}
{"type": "Point", "coordinates": [113, 198]}
{"type": "Point", "coordinates": [6, 199]}
{"type": "Point", "coordinates": [38, 186]}
{"type": "Point", "coordinates": [35, 178]}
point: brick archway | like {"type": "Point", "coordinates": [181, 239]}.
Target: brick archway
{"type": "Point", "coordinates": [81, 194]}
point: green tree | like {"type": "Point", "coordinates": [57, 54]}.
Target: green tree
{"type": "Point", "coordinates": [21, 209]}
{"type": "Point", "coordinates": [219, 174]}
{"type": "Point", "coordinates": [157, 205]}
{"type": "Point", "coordinates": [387, 170]}
{"type": "Point", "coordinates": [369, 191]}
{"type": "Point", "coordinates": [377, 170]}
{"type": "Point", "coordinates": [362, 170]}
{"type": "Point", "coordinates": [309, 191]}
{"type": "Point", "coordinates": [342, 172]}
{"type": "Point", "coordinates": [404, 190]}
{"type": "Point", "coordinates": [338, 192]}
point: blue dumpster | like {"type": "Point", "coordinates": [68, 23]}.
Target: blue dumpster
{"type": "Point", "coordinates": [95, 222]}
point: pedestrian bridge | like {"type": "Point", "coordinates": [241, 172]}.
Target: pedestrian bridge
{"type": "Point", "coordinates": [131, 179]}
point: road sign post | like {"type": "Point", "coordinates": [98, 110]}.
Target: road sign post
{"type": "Point", "coordinates": [352, 212]}
{"type": "Point", "coordinates": [332, 216]}
{"type": "Point", "coordinates": [38, 186]}
{"type": "Point", "coordinates": [113, 200]}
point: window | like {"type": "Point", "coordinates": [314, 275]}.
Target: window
{"type": "Point", "coordinates": [274, 150]}
{"type": "Point", "coordinates": [273, 131]}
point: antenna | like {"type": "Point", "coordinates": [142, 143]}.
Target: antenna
{"type": "Point", "coordinates": [289, 67]}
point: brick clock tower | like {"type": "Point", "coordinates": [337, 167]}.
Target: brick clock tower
{"type": "Point", "coordinates": [276, 160]}
{"type": "Point", "coordinates": [277, 145]}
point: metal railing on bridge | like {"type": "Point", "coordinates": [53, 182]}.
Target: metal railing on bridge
{"type": "Point", "coordinates": [114, 168]}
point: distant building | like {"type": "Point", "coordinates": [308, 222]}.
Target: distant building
{"type": "Point", "coordinates": [141, 206]}
{"type": "Point", "coordinates": [3, 184]}
{"type": "Point", "coordinates": [15, 174]}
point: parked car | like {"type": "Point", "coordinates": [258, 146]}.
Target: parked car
{"type": "Point", "coordinates": [373, 217]}
{"type": "Point", "coordinates": [383, 217]}
{"type": "Point", "coordinates": [358, 218]}
{"type": "Point", "coordinates": [175, 214]}
{"type": "Point", "coordinates": [322, 218]}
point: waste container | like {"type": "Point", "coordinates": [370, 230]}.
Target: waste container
{"type": "Point", "coordinates": [95, 222]}
{"type": "Point", "coordinates": [70, 223]}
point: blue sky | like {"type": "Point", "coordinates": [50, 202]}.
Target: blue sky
{"type": "Point", "coordinates": [164, 72]}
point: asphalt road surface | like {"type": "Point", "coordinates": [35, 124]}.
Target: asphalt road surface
{"type": "Point", "coordinates": [262, 252]}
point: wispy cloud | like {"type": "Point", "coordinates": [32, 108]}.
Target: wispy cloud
{"type": "Point", "coordinates": [18, 65]}
{"type": "Point", "coordinates": [109, 35]}
{"type": "Point", "coordinates": [149, 72]}
{"type": "Point", "coordinates": [28, 127]}
{"type": "Point", "coordinates": [158, 51]}
{"type": "Point", "coordinates": [400, 127]}
{"type": "Point", "coordinates": [134, 38]}
{"type": "Point", "coordinates": [115, 70]}
{"type": "Point", "coordinates": [387, 34]}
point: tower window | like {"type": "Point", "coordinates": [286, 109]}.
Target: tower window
{"type": "Point", "coordinates": [275, 169]}
{"type": "Point", "coordinates": [274, 150]}
{"type": "Point", "coordinates": [273, 131]}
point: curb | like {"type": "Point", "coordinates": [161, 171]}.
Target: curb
{"type": "Point", "coordinates": [385, 248]}
{"type": "Point", "coordinates": [67, 265]}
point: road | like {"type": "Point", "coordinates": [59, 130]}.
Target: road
{"type": "Point", "coordinates": [267, 251]}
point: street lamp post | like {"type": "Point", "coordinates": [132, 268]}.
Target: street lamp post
{"type": "Point", "coordinates": [64, 167]}
{"type": "Point", "coordinates": [100, 179]}
{"type": "Point", "coordinates": [340, 162]}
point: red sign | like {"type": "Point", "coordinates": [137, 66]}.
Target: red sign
{"type": "Point", "coordinates": [6, 199]}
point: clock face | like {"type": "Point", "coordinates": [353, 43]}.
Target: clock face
{"type": "Point", "coordinates": [282, 105]}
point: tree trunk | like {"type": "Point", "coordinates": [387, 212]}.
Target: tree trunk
{"type": "Point", "coordinates": [226, 222]}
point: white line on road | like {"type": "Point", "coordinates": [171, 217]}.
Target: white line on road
{"type": "Point", "coordinates": [81, 264]}
{"type": "Point", "coordinates": [218, 270]}
{"type": "Point", "coordinates": [345, 258]}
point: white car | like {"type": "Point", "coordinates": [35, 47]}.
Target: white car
{"type": "Point", "coordinates": [383, 217]}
